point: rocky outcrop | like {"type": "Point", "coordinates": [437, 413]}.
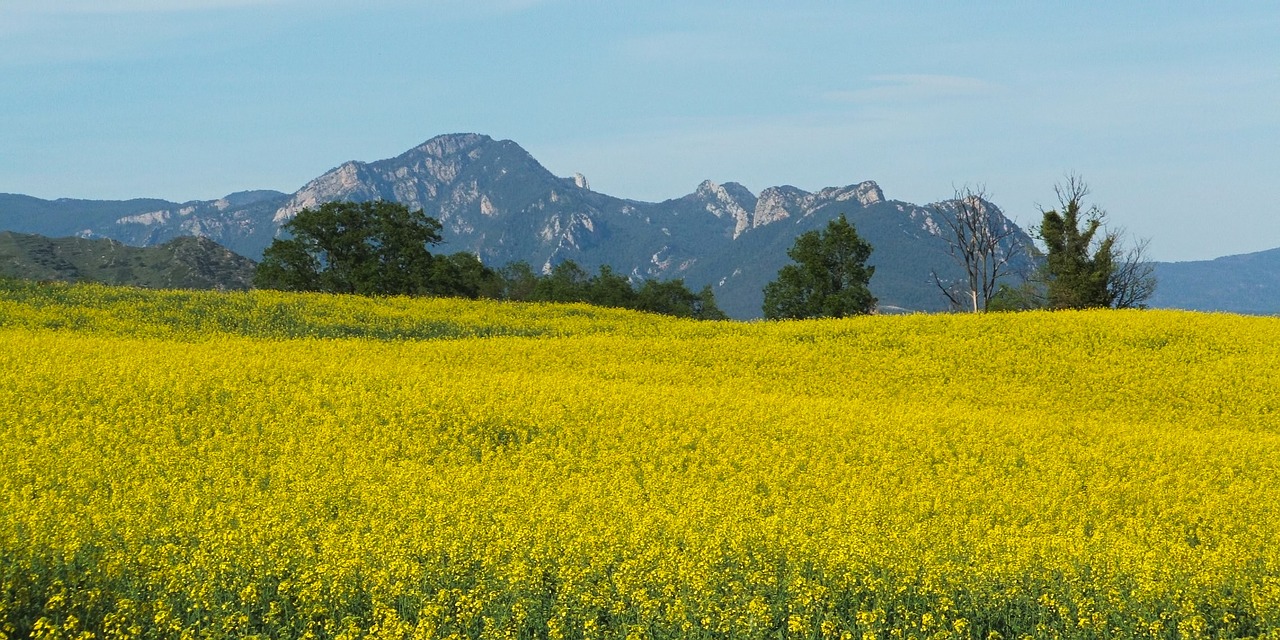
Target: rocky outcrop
{"type": "Point", "coordinates": [781, 203]}
{"type": "Point", "coordinates": [730, 201]}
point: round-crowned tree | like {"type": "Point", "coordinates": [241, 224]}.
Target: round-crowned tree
{"type": "Point", "coordinates": [367, 248]}
{"type": "Point", "coordinates": [829, 278]}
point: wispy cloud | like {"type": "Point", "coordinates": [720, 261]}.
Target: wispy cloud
{"type": "Point", "coordinates": [507, 5]}
{"type": "Point", "coordinates": [89, 7]}
{"type": "Point", "coordinates": [682, 46]}
{"type": "Point", "coordinates": [92, 7]}
{"type": "Point", "coordinates": [912, 88]}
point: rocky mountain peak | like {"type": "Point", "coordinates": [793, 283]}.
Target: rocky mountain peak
{"type": "Point", "coordinates": [729, 200]}
{"type": "Point", "coordinates": [779, 203]}
{"type": "Point", "coordinates": [442, 175]}
{"type": "Point", "coordinates": [349, 181]}
{"type": "Point", "coordinates": [738, 192]}
{"type": "Point", "coordinates": [451, 144]}
{"type": "Point", "coordinates": [866, 193]}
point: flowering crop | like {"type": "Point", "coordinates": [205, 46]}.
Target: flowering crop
{"type": "Point", "coordinates": [185, 465]}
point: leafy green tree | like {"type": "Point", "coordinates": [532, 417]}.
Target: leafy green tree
{"type": "Point", "coordinates": [366, 248]}
{"type": "Point", "coordinates": [567, 282]}
{"type": "Point", "coordinates": [609, 289]}
{"type": "Point", "coordinates": [518, 281]}
{"type": "Point", "coordinates": [463, 275]}
{"type": "Point", "coordinates": [1025, 296]}
{"type": "Point", "coordinates": [382, 248]}
{"type": "Point", "coordinates": [673, 298]}
{"type": "Point", "coordinates": [289, 265]}
{"type": "Point", "coordinates": [830, 276]}
{"type": "Point", "coordinates": [1078, 263]}
{"type": "Point", "coordinates": [705, 307]}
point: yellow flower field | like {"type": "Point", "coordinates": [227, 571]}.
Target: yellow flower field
{"type": "Point", "coordinates": [189, 465]}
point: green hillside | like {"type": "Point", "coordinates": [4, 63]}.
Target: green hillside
{"type": "Point", "coordinates": [182, 263]}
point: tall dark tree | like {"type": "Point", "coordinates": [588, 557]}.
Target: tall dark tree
{"type": "Point", "coordinates": [366, 248]}
{"type": "Point", "coordinates": [705, 307]}
{"type": "Point", "coordinates": [610, 289]}
{"type": "Point", "coordinates": [1078, 268]}
{"type": "Point", "coordinates": [1086, 265]}
{"type": "Point", "coordinates": [519, 281]}
{"type": "Point", "coordinates": [567, 282]}
{"type": "Point", "coordinates": [673, 298]}
{"type": "Point", "coordinates": [462, 275]}
{"type": "Point", "coordinates": [830, 276]}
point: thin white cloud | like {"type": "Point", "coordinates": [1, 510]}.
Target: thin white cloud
{"type": "Point", "coordinates": [90, 7]}
{"type": "Point", "coordinates": [508, 5]}
{"type": "Point", "coordinates": [682, 46]}
{"type": "Point", "coordinates": [99, 7]}
{"type": "Point", "coordinates": [912, 88]}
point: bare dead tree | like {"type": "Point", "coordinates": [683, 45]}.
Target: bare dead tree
{"type": "Point", "coordinates": [1133, 279]}
{"type": "Point", "coordinates": [979, 240]}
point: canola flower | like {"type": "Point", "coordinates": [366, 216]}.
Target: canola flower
{"type": "Point", "coordinates": [202, 465]}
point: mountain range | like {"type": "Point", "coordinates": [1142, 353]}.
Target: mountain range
{"type": "Point", "coordinates": [496, 201]}
{"type": "Point", "coordinates": [1247, 283]}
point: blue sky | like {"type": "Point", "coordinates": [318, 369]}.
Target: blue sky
{"type": "Point", "coordinates": [1170, 111]}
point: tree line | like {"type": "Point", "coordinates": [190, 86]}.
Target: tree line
{"type": "Point", "coordinates": [1084, 264]}
{"type": "Point", "coordinates": [384, 248]}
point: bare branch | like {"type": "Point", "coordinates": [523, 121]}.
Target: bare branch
{"type": "Point", "coordinates": [1072, 190]}
{"type": "Point", "coordinates": [981, 241]}
{"type": "Point", "coordinates": [1133, 280]}
{"type": "Point", "coordinates": [949, 290]}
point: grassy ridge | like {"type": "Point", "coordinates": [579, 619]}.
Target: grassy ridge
{"type": "Point", "coordinates": [203, 315]}
{"type": "Point", "coordinates": [181, 263]}
{"type": "Point", "coordinates": [198, 464]}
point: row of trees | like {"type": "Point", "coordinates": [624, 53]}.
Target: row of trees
{"type": "Point", "coordinates": [568, 282]}
{"type": "Point", "coordinates": [383, 248]}
{"type": "Point", "coordinates": [1084, 264]}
